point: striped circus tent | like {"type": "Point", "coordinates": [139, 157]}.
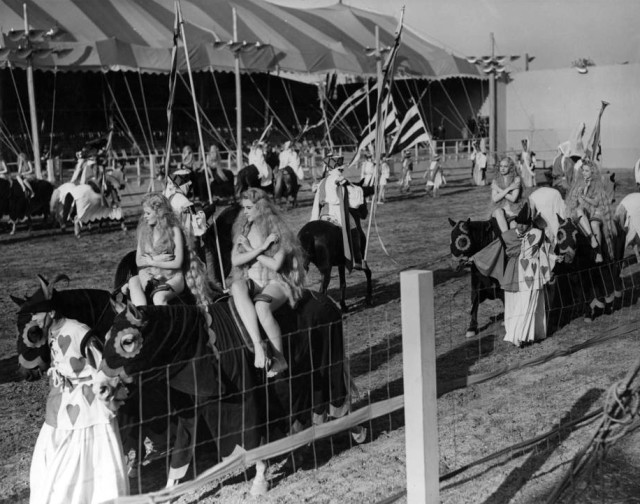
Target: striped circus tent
{"type": "Point", "coordinates": [117, 35]}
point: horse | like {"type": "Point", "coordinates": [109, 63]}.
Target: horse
{"type": "Point", "coordinates": [467, 238]}
{"type": "Point", "coordinates": [222, 185]}
{"type": "Point", "coordinates": [19, 206]}
{"type": "Point", "coordinates": [250, 177]}
{"type": "Point", "coordinates": [322, 243]}
{"type": "Point", "coordinates": [84, 203]}
{"type": "Point", "coordinates": [592, 286]}
{"type": "Point", "coordinates": [627, 221]}
{"type": "Point", "coordinates": [89, 306]}
{"type": "Point", "coordinates": [286, 185]}
{"type": "Point", "coordinates": [205, 355]}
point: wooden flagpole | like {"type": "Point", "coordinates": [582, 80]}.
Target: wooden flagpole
{"type": "Point", "coordinates": [195, 103]}
{"type": "Point", "coordinates": [35, 137]}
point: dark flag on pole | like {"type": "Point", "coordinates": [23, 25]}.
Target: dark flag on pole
{"type": "Point", "coordinates": [594, 149]}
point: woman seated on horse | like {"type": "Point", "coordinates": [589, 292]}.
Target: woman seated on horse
{"type": "Point", "coordinates": [160, 254]}
{"type": "Point", "coordinates": [589, 203]}
{"type": "Point", "coordinates": [267, 272]}
{"type": "Point", "coordinates": [25, 174]}
{"type": "Point", "coordinates": [506, 195]}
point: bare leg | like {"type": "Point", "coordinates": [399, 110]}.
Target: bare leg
{"type": "Point", "coordinates": [501, 219]}
{"type": "Point", "coordinates": [597, 233]}
{"type": "Point", "coordinates": [163, 297]}
{"type": "Point", "coordinates": [247, 312]}
{"type": "Point", "coordinates": [136, 292]}
{"type": "Point", "coordinates": [270, 325]}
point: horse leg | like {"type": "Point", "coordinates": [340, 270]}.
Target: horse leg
{"type": "Point", "coordinates": [260, 485]}
{"type": "Point", "coordinates": [343, 288]}
{"type": "Point", "coordinates": [13, 226]}
{"type": "Point", "coordinates": [326, 278]}
{"type": "Point", "coordinates": [472, 330]}
{"type": "Point", "coordinates": [367, 272]}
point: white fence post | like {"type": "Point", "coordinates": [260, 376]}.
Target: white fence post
{"type": "Point", "coordinates": [420, 395]}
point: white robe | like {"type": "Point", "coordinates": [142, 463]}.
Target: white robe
{"type": "Point", "coordinates": [78, 456]}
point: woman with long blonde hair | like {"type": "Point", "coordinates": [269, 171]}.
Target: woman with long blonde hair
{"type": "Point", "coordinates": [589, 202]}
{"type": "Point", "coordinates": [267, 271]}
{"type": "Point", "coordinates": [165, 257]}
{"type": "Point", "coordinates": [506, 194]}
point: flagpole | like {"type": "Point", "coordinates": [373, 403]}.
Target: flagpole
{"type": "Point", "coordinates": [32, 102]}
{"type": "Point", "coordinates": [236, 56]}
{"type": "Point", "coordinates": [321, 96]}
{"type": "Point", "coordinates": [378, 143]}
{"type": "Point", "coordinates": [195, 104]}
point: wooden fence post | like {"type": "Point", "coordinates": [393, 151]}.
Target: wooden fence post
{"type": "Point", "coordinates": [420, 403]}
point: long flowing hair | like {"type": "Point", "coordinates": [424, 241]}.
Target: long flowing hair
{"type": "Point", "coordinates": [600, 194]}
{"type": "Point", "coordinates": [269, 221]}
{"type": "Point", "coordinates": [195, 272]}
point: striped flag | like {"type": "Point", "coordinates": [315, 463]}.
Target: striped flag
{"type": "Point", "coordinates": [390, 115]}
{"type": "Point", "coordinates": [411, 132]}
{"type": "Point", "coordinates": [387, 79]}
{"type": "Point", "coordinates": [350, 104]}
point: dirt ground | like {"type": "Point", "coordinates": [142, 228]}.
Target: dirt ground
{"type": "Point", "coordinates": [473, 422]}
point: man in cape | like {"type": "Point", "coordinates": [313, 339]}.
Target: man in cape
{"type": "Point", "coordinates": [333, 198]}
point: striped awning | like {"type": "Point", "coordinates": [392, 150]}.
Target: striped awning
{"type": "Point", "coordinates": [137, 35]}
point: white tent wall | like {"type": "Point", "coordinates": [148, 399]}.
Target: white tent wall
{"type": "Point", "coordinates": [547, 106]}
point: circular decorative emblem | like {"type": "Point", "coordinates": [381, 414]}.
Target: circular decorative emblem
{"type": "Point", "coordinates": [128, 342]}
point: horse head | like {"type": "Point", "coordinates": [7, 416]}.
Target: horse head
{"type": "Point", "coordinates": [461, 240]}
{"type": "Point", "coordinates": [33, 322]}
{"type": "Point", "coordinates": [123, 341]}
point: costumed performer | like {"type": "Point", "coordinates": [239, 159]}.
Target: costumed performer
{"type": "Point", "coordinates": [506, 194]}
{"type": "Point", "coordinates": [521, 260]}
{"type": "Point", "coordinates": [435, 176]}
{"type": "Point", "coordinates": [407, 169]}
{"type": "Point", "coordinates": [78, 457]}
{"type": "Point", "coordinates": [267, 271]}
{"type": "Point", "coordinates": [166, 259]}
{"type": "Point", "coordinates": [289, 157]}
{"type": "Point", "coordinates": [257, 159]}
{"type": "Point", "coordinates": [589, 203]}
{"type": "Point", "coordinates": [333, 199]}
{"type": "Point", "coordinates": [25, 175]}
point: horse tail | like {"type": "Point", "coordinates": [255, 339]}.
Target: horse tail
{"type": "Point", "coordinates": [55, 202]}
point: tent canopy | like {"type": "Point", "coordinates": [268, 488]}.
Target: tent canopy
{"type": "Point", "coordinates": [102, 35]}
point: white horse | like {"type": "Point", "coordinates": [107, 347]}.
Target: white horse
{"type": "Point", "coordinates": [91, 205]}
{"type": "Point", "coordinates": [627, 219]}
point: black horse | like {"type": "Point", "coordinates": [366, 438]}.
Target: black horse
{"type": "Point", "coordinates": [323, 245]}
{"type": "Point", "coordinates": [467, 238]}
{"type": "Point", "coordinates": [222, 185]}
{"type": "Point", "coordinates": [204, 357]}
{"type": "Point", "coordinates": [250, 177]}
{"type": "Point", "coordinates": [20, 206]}
{"type": "Point", "coordinates": [286, 186]}
{"type": "Point", "coordinates": [89, 306]}
{"type": "Point", "coordinates": [588, 286]}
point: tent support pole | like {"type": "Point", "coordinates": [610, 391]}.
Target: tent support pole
{"type": "Point", "coordinates": [195, 106]}
{"type": "Point", "coordinates": [35, 139]}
